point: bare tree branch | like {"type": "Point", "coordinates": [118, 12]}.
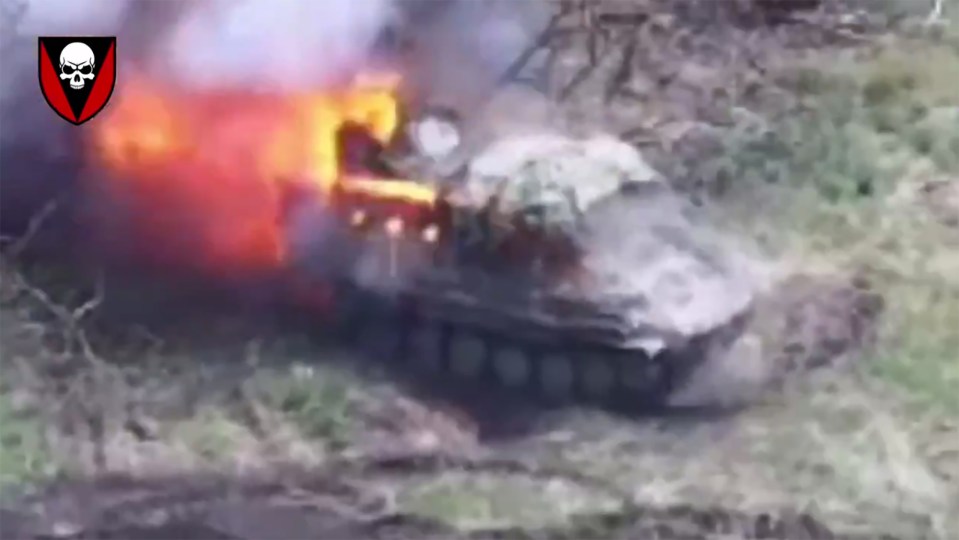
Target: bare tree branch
{"type": "Point", "coordinates": [541, 41]}
{"type": "Point", "coordinates": [91, 304]}
{"type": "Point", "coordinates": [76, 343]}
{"type": "Point", "coordinates": [19, 245]}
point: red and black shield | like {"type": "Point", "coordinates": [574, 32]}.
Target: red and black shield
{"type": "Point", "coordinates": [77, 74]}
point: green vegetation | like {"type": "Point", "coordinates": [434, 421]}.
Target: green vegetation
{"type": "Point", "coordinates": [211, 435]}
{"type": "Point", "coordinates": [24, 456]}
{"type": "Point", "coordinates": [317, 401]}
{"type": "Point", "coordinates": [469, 501]}
{"type": "Point", "coordinates": [846, 184]}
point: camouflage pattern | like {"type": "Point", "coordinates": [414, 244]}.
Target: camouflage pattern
{"type": "Point", "coordinates": [641, 247]}
{"type": "Point", "coordinates": [619, 307]}
{"type": "Point", "coordinates": [550, 180]}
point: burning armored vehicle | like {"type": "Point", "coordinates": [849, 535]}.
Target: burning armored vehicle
{"type": "Point", "coordinates": [555, 265]}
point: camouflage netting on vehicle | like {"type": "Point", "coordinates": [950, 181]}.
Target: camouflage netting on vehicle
{"type": "Point", "coordinates": [645, 250]}
{"type": "Point", "coordinates": [551, 180]}
{"type": "Point", "coordinates": [691, 278]}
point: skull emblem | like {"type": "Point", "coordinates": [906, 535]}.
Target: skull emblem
{"type": "Point", "coordinates": [76, 64]}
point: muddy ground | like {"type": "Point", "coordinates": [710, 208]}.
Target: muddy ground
{"type": "Point", "coordinates": [355, 449]}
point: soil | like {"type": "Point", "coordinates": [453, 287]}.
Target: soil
{"type": "Point", "coordinates": [320, 505]}
{"type": "Point", "coordinates": [354, 496]}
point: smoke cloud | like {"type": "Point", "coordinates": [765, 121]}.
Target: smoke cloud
{"type": "Point", "coordinates": [268, 45]}
{"type": "Point", "coordinates": [463, 48]}
{"type": "Point", "coordinates": [202, 44]}
{"type": "Point", "coordinates": [272, 44]}
{"type": "Point", "coordinates": [284, 44]}
{"type": "Point", "coordinates": [64, 17]}
{"type": "Point", "coordinates": [462, 45]}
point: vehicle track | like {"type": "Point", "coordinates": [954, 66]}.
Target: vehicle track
{"type": "Point", "coordinates": [341, 501]}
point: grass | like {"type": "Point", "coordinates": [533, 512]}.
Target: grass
{"type": "Point", "coordinates": [211, 435]}
{"type": "Point", "coordinates": [922, 353]}
{"type": "Point", "coordinates": [317, 401]}
{"type": "Point", "coordinates": [24, 456]}
{"type": "Point", "coordinates": [843, 183]}
{"type": "Point", "coordinates": [833, 449]}
{"type": "Point", "coordinates": [468, 501]}
{"type": "Point", "coordinates": [838, 188]}
{"type": "Point", "coordinates": [188, 390]}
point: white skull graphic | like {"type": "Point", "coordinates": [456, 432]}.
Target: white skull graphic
{"type": "Point", "coordinates": [76, 64]}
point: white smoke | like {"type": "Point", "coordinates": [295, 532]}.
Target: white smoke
{"type": "Point", "coordinates": [280, 44]}
{"type": "Point", "coordinates": [255, 44]}
{"type": "Point", "coordinates": [463, 47]}
{"type": "Point", "coordinates": [66, 17]}
{"type": "Point", "coordinates": [275, 44]}
{"type": "Point", "coordinates": [500, 29]}
{"type": "Point", "coordinates": [25, 19]}
{"type": "Point", "coordinates": [271, 44]}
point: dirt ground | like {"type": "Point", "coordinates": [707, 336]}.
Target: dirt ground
{"type": "Point", "coordinates": [274, 436]}
{"type": "Point", "coordinates": [160, 413]}
{"type": "Point", "coordinates": [279, 436]}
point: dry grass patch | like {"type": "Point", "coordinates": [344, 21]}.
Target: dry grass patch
{"type": "Point", "coordinates": [470, 501]}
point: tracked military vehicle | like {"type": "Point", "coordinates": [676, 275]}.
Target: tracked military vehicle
{"type": "Point", "coordinates": [556, 266]}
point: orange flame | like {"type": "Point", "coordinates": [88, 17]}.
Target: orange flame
{"type": "Point", "coordinates": [218, 162]}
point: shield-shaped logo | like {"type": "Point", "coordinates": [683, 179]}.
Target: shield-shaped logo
{"type": "Point", "coordinates": [77, 74]}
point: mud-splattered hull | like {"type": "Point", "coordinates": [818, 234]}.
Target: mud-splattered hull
{"type": "Point", "coordinates": [428, 319]}
{"type": "Point", "coordinates": [408, 332]}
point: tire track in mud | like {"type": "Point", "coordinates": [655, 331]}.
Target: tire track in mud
{"type": "Point", "coordinates": [341, 501]}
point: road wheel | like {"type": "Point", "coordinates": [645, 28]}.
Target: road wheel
{"type": "Point", "coordinates": [598, 377]}
{"type": "Point", "coordinates": [467, 355]}
{"type": "Point", "coordinates": [512, 366]}
{"type": "Point", "coordinates": [557, 377]}
{"type": "Point", "coordinates": [426, 347]}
